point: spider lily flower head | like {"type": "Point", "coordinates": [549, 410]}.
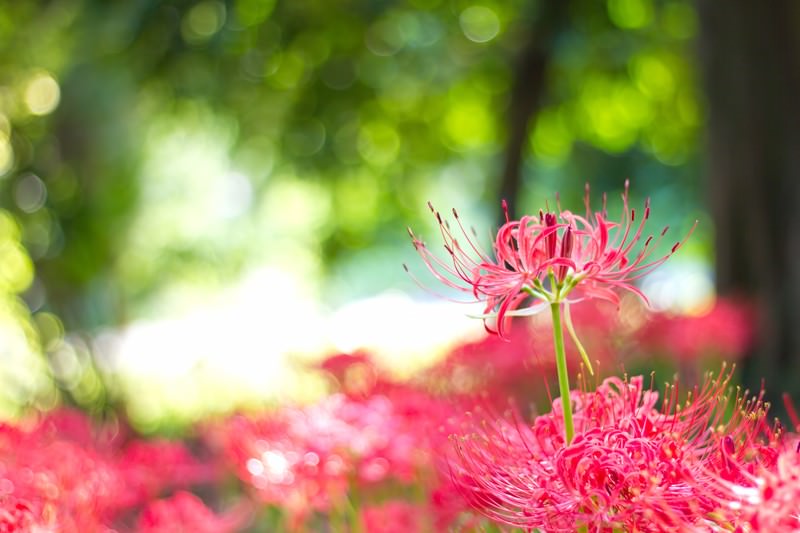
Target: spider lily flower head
{"type": "Point", "coordinates": [550, 258]}
{"type": "Point", "coordinates": [632, 466]}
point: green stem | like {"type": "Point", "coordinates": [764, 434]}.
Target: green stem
{"type": "Point", "coordinates": [576, 340]}
{"type": "Point", "coordinates": [561, 367]}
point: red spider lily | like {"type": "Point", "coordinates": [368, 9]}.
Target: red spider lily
{"type": "Point", "coordinates": [17, 515]}
{"type": "Point", "coordinates": [546, 258]}
{"type": "Point", "coordinates": [62, 473]}
{"type": "Point", "coordinates": [725, 330]}
{"type": "Point", "coordinates": [149, 467]}
{"type": "Point", "coordinates": [631, 466]}
{"type": "Point", "coordinates": [356, 374]}
{"type": "Point", "coordinates": [393, 517]}
{"type": "Point", "coordinates": [272, 455]}
{"type": "Point", "coordinates": [304, 459]}
{"type": "Point", "coordinates": [771, 500]}
{"type": "Point", "coordinates": [186, 513]}
{"type": "Point", "coordinates": [64, 485]}
{"type": "Point", "coordinates": [762, 495]}
{"type": "Point", "coordinates": [494, 367]}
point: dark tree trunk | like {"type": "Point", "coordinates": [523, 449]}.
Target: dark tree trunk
{"type": "Point", "coordinates": [750, 58]}
{"type": "Point", "coordinates": [530, 81]}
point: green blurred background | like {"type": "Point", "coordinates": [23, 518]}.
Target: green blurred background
{"type": "Point", "coordinates": [165, 162]}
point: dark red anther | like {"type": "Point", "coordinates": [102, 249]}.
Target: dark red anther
{"type": "Point", "coordinates": [727, 445]}
{"type": "Point", "coordinates": [455, 213]}
{"type": "Point", "coordinates": [675, 247]}
{"type": "Point", "coordinates": [504, 204]}
{"type": "Point", "coordinates": [633, 215]}
{"type": "Point", "coordinates": [430, 206]}
{"type": "Point", "coordinates": [728, 449]}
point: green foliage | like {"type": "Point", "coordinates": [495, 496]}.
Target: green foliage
{"type": "Point", "coordinates": [148, 145]}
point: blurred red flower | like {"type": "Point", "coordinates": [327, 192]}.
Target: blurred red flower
{"type": "Point", "coordinates": [184, 512]}
{"type": "Point", "coordinates": [63, 473]}
{"type": "Point", "coordinates": [304, 458]}
{"type": "Point", "coordinates": [393, 517]}
{"type": "Point", "coordinates": [725, 331]}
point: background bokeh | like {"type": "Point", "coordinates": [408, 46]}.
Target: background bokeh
{"type": "Point", "coordinates": [199, 196]}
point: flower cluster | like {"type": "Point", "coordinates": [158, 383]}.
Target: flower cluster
{"type": "Point", "coordinates": [632, 466]}
{"type": "Point", "coordinates": [378, 460]}
{"type": "Point", "coordinates": [375, 441]}
{"type": "Point", "coordinates": [616, 457]}
{"type": "Point", "coordinates": [313, 458]}
{"type": "Point", "coordinates": [61, 473]}
{"type": "Point", "coordinates": [432, 453]}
